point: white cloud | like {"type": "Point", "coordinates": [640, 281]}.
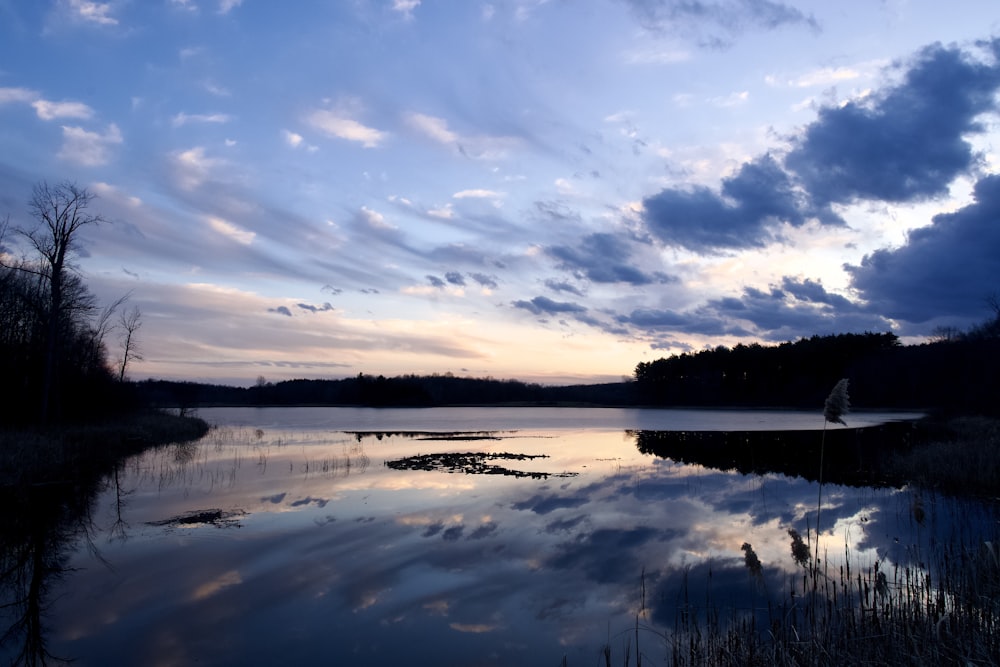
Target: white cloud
{"type": "Point", "coordinates": [225, 6]}
{"type": "Point", "coordinates": [17, 95]}
{"type": "Point", "coordinates": [192, 168]}
{"type": "Point", "coordinates": [336, 125]}
{"type": "Point", "coordinates": [47, 110]}
{"type": "Point", "coordinates": [293, 139]}
{"type": "Point", "coordinates": [657, 56]}
{"type": "Point", "coordinates": [405, 7]}
{"type": "Point", "coordinates": [433, 127]}
{"type": "Point", "coordinates": [477, 194]}
{"type": "Point", "coordinates": [185, 4]}
{"type": "Point", "coordinates": [374, 219]}
{"type": "Point", "coordinates": [824, 76]}
{"type": "Point", "coordinates": [444, 212]}
{"type": "Point", "coordinates": [93, 12]}
{"type": "Point", "coordinates": [90, 149]}
{"type": "Point", "coordinates": [731, 100]}
{"type": "Point", "coordinates": [229, 230]}
{"type": "Point", "coordinates": [479, 148]}
{"type": "Point", "coordinates": [215, 89]}
{"type": "Point", "coordinates": [185, 118]}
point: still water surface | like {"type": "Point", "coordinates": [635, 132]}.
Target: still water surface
{"type": "Point", "coordinates": [283, 537]}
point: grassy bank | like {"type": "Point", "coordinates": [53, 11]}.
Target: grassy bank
{"type": "Point", "coordinates": [962, 459]}
{"type": "Point", "coordinates": [51, 455]}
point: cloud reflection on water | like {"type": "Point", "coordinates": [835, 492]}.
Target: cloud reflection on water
{"type": "Point", "coordinates": [380, 565]}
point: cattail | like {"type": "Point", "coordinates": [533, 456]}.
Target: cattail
{"type": "Point", "coordinates": [800, 550]}
{"type": "Point", "coordinates": [837, 404]}
{"type": "Point", "coordinates": [751, 561]}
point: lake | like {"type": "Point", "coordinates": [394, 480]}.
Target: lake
{"type": "Point", "coordinates": [445, 536]}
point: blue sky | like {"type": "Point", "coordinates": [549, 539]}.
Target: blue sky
{"type": "Point", "coordinates": [545, 190]}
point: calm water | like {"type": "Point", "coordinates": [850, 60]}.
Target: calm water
{"type": "Point", "coordinates": [284, 537]}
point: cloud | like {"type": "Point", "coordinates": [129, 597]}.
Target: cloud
{"type": "Point", "coordinates": [472, 147]}
{"type": "Point", "coordinates": [489, 282]}
{"type": "Point", "coordinates": [716, 24]}
{"type": "Point", "coordinates": [906, 143]}
{"type": "Point", "coordinates": [280, 310]}
{"type": "Point", "coordinates": [478, 194]}
{"type": "Point", "coordinates": [602, 258]}
{"type": "Point", "coordinates": [405, 7]}
{"type": "Point", "coordinates": [563, 286]}
{"type": "Point", "coordinates": [231, 231]}
{"type": "Point", "coordinates": [757, 197]}
{"type": "Point", "coordinates": [337, 125]}
{"type": "Point", "coordinates": [92, 12]}
{"type": "Point", "coordinates": [794, 309]}
{"type": "Point", "coordinates": [316, 309]}
{"type": "Point", "coordinates": [947, 268]}
{"type": "Point", "coordinates": [90, 149]}
{"type": "Point", "coordinates": [541, 305]}
{"type": "Point", "coordinates": [455, 278]}
{"type": "Point", "coordinates": [225, 6]}
{"type": "Point", "coordinates": [192, 167]}
{"type": "Point", "coordinates": [435, 282]}
{"type": "Point", "coordinates": [17, 95]}
{"type": "Point", "coordinates": [182, 118]}
{"type": "Point", "coordinates": [47, 110]}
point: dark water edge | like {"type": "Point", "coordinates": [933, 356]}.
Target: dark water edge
{"type": "Point", "coordinates": [851, 456]}
{"type": "Point", "coordinates": [49, 480]}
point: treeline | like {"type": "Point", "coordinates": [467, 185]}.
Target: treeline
{"type": "Point", "coordinates": [959, 373]}
{"type": "Point", "coordinates": [379, 391]}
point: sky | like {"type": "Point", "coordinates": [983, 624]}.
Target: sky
{"type": "Point", "coordinates": [545, 190]}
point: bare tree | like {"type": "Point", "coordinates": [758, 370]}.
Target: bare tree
{"type": "Point", "coordinates": [130, 322]}
{"type": "Point", "coordinates": [61, 211]}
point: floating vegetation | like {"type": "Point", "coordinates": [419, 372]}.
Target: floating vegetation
{"type": "Point", "coordinates": [210, 517]}
{"type": "Point", "coordinates": [473, 463]}
{"type": "Point", "coordinates": [431, 435]}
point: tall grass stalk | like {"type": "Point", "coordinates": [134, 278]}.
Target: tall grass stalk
{"type": "Point", "coordinates": [837, 405]}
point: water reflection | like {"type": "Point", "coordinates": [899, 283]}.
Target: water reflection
{"type": "Point", "coordinates": [284, 546]}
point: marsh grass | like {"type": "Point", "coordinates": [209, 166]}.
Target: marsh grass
{"type": "Point", "coordinates": [948, 614]}
{"type": "Point", "coordinates": [964, 460]}
{"type": "Point", "coordinates": [55, 455]}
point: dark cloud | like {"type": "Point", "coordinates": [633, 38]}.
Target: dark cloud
{"type": "Point", "coordinates": [795, 309]}
{"type": "Point", "coordinates": [557, 211]}
{"type": "Point", "coordinates": [280, 310]}
{"type": "Point", "coordinates": [435, 281]}
{"type": "Point", "coordinates": [606, 555]}
{"type": "Point", "coordinates": [602, 258]}
{"type": "Point", "coordinates": [717, 24]}
{"type": "Point", "coordinates": [907, 143]}
{"type": "Point", "coordinates": [541, 305]}
{"type": "Point", "coordinates": [455, 278]}
{"type": "Point", "coordinates": [315, 309]}
{"type": "Point", "coordinates": [562, 286]}
{"type": "Point", "coordinates": [742, 215]}
{"type": "Point", "coordinates": [540, 504]}
{"type": "Point", "coordinates": [946, 268]}
{"type": "Point", "coordinates": [485, 280]}
{"type": "Point", "coordinates": [702, 321]}
{"type": "Point", "coordinates": [484, 530]}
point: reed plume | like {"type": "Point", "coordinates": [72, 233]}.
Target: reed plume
{"type": "Point", "coordinates": [837, 405]}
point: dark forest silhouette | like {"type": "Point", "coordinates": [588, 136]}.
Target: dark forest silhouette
{"type": "Point", "coordinates": [958, 373]}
